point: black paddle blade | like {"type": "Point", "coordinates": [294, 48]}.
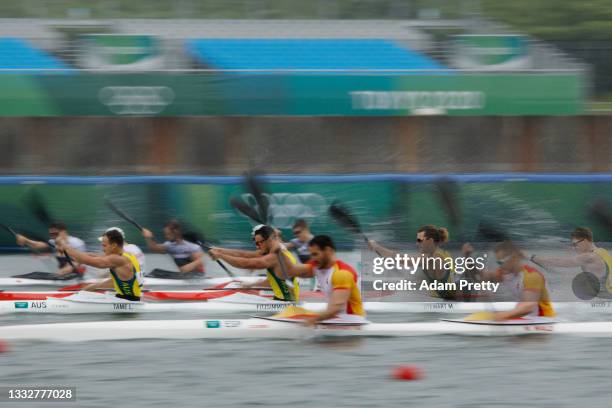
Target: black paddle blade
{"type": "Point", "coordinates": [122, 214]}
{"type": "Point", "coordinates": [255, 188]}
{"type": "Point", "coordinates": [487, 232]}
{"type": "Point", "coordinates": [244, 208]}
{"type": "Point", "coordinates": [343, 216]}
{"type": "Point", "coordinates": [35, 204]}
{"type": "Point", "coordinates": [600, 211]}
{"type": "Point", "coordinates": [447, 192]}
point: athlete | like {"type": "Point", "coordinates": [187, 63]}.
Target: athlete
{"type": "Point", "coordinates": [589, 258]}
{"type": "Point", "coordinates": [123, 267]}
{"type": "Point", "coordinates": [57, 230]}
{"type": "Point", "coordinates": [337, 280]}
{"type": "Point", "coordinates": [267, 256]}
{"type": "Point", "coordinates": [299, 244]}
{"type": "Point", "coordinates": [186, 255]}
{"type": "Point", "coordinates": [437, 263]}
{"type": "Point", "coordinates": [525, 281]}
{"type": "Point", "coordinates": [133, 250]}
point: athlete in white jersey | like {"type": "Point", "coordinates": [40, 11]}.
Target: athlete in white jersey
{"type": "Point", "coordinates": [65, 269]}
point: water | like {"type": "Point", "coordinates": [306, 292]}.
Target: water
{"type": "Point", "coordinates": [542, 371]}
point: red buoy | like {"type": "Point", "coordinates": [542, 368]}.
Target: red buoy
{"type": "Point", "coordinates": [407, 373]}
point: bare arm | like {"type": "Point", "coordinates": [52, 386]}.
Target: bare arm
{"type": "Point", "coordinates": [261, 262]}
{"type": "Point", "coordinates": [565, 261]}
{"type": "Point", "coordinates": [38, 245]}
{"type": "Point", "coordinates": [239, 252]}
{"type": "Point", "coordinates": [381, 250]}
{"type": "Point", "coordinates": [298, 270]}
{"type": "Point", "coordinates": [106, 261]}
{"type": "Point", "coordinates": [196, 263]}
{"type": "Point", "coordinates": [336, 304]}
{"type": "Point", "coordinates": [104, 284]}
{"type": "Point", "coordinates": [153, 246]}
{"type": "Point", "coordinates": [525, 306]}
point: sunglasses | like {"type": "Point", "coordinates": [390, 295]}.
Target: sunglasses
{"type": "Point", "coordinates": [297, 232]}
{"type": "Point", "coordinates": [261, 241]}
{"type": "Point", "coordinates": [575, 244]}
{"type": "Point", "coordinates": [419, 240]}
{"type": "Point", "coordinates": [502, 261]}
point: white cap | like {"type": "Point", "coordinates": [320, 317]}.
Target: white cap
{"type": "Point", "coordinates": [255, 228]}
{"type": "Point", "coordinates": [113, 229]}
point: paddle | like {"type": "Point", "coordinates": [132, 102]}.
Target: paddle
{"type": "Point", "coordinates": [347, 220]}
{"type": "Point", "coordinates": [129, 219]}
{"type": "Point", "coordinates": [600, 211]}
{"type": "Point", "coordinates": [38, 208]}
{"type": "Point", "coordinates": [255, 188]}
{"type": "Point", "coordinates": [244, 208]}
{"type": "Point", "coordinates": [122, 214]}
{"type": "Point", "coordinates": [447, 192]}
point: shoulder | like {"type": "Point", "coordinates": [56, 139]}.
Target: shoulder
{"type": "Point", "coordinates": [132, 249]}
{"type": "Point", "coordinates": [532, 276]}
{"type": "Point", "coordinates": [345, 272]}
{"type": "Point", "coordinates": [74, 241]}
{"type": "Point", "coordinates": [192, 246]}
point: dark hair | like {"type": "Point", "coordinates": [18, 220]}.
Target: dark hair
{"type": "Point", "coordinates": [174, 225]}
{"type": "Point", "coordinates": [322, 241]}
{"type": "Point", "coordinates": [265, 231]}
{"type": "Point", "coordinates": [508, 248]}
{"type": "Point", "coordinates": [58, 226]}
{"type": "Point", "coordinates": [582, 233]}
{"type": "Point", "coordinates": [438, 234]}
{"type": "Point", "coordinates": [300, 223]}
{"type": "Point", "coordinates": [114, 237]}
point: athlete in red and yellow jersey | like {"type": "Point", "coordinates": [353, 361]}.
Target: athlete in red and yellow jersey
{"type": "Point", "coordinates": [527, 283]}
{"type": "Point", "coordinates": [338, 281]}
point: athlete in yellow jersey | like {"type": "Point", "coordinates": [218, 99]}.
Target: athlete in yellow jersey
{"type": "Point", "coordinates": [589, 258]}
{"type": "Point", "coordinates": [337, 280]}
{"type": "Point", "coordinates": [526, 281]}
{"type": "Point", "coordinates": [265, 257]}
{"type": "Point", "coordinates": [123, 266]}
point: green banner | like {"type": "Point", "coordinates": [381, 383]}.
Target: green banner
{"type": "Point", "coordinates": [291, 94]}
{"type": "Point", "coordinates": [389, 208]}
{"type": "Point", "coordinates": [491, 52]}
{"type": "Point", "coordinates": [120, 51]}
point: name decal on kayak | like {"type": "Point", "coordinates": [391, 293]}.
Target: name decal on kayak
{"type": "Point", "coordinates": [122, 306]}
{"type": "Point", "coordinates": [272, 306]}
{"type": "Point", "coordinates": [21, 305]}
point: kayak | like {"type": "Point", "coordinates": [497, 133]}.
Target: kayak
{"type": "Point", "coordinates": [225, 302]}
{"type": "Point", "coordinates": [256, 328]}
{"type": "Point", "coordinates": [148, 282]}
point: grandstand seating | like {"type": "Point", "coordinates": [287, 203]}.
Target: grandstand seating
{"type": "Point", "coordinates": [371, 54]}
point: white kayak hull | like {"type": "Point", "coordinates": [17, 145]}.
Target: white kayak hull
{"type": "Point", "coordinates": [99, 303]}
{"type": "Point", "coordinates": [261, 328]}
{"type": "Point", "coordinates": [238, 302]}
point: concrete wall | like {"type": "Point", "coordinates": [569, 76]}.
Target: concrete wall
{"type": "Point", "coordinates": [229, 145]}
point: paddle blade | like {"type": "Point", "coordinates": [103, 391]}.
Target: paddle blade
{"type": "Point", "coordinates": [478, 316]}
{"type": "Point", "coordinates": [35, 204]}
{"type": "Point", "coordinates": [600, 211]}
{"type": "Point", "coordinates": [255, 188]}
{"type": "Point", "coordinates": [343, 217]}
{"type": "Point", "coordinates": [487, 232]}
{"type": "Point", "coordinates": [447, 192]}
{"type": "Point", "coordinates": [121, 214]}
{"type": "Point", "coordinates": [245, 209]}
